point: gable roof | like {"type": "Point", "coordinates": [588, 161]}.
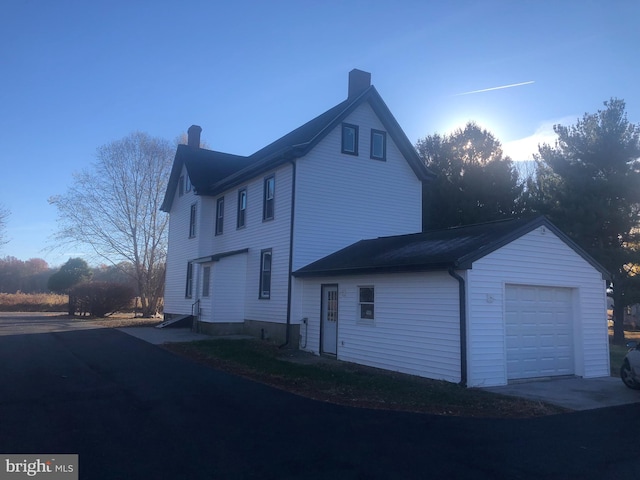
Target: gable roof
{"type": "Point", "coordinates": [455, 248]}
{"type": "Point", "coordinates": [214, 172]}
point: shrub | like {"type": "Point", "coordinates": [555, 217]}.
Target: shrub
{"type": "Point", "coordinates": [100, 299]}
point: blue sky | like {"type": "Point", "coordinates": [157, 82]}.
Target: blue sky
{"type": "Point", "coordinates": [75, 75]}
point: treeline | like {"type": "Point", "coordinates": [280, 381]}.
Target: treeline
{"type": "Point", "coordinates": [32, 276]}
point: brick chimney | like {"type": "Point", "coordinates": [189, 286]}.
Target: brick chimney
{"type": "Point", "coordinates": [193, 136]}
{"type": "Point", "coordinates": [359, 81]}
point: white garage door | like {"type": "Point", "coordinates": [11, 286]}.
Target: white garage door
{"type": "Point", "coordinates": [539, 322]}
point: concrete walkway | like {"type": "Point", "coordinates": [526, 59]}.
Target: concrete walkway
{"type": "Point", "coordinates": [574, 393]}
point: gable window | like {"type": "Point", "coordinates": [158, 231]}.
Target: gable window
{"type": "Point", "coordinates": [269, 197]}
{"type": "Point", "coordinates": [188, 183]}
{"type": "Point", "coordinates": [181, 185]}
{"type": "Point", "coordinates": [192, 221]}
{"type": "Point", "coordinates": [378, 145]}
{"type": "Point", "coordinates": [349, 139]}
{"type": "Point", "coordinates": [366, 297]}
{"type": "Point", "coordinates": [188, 290]}
{"type": "Point", "coordinates": [265, 274]}
{"type": "Point", "coordinates": [206, 281]}
{"type": "Point", "coordinates": [219, 216]}
{"type": "Point", "coordinates": [242, 207]}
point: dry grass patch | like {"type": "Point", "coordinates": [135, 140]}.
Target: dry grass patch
{"type": "Point", "coordinates": [33, 302]}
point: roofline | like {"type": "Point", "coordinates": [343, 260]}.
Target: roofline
{"type": "Point", "coordinates": [217, 256]}
{"type": "Point", "coordinates": [466, 261]}
{"type": "Point", "coordinates": [341, 272]}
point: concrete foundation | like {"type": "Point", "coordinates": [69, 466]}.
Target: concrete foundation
{"type": "Point", "coordinates": [273, 332]}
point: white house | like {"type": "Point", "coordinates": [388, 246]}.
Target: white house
{"type": "Point", "coordinates": [272, 245]}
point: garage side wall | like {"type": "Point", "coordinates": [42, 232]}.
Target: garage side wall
{"type": "Point", "coordinates": [537, 258]}
{"type": "Point", "coordinates": [415, 329]}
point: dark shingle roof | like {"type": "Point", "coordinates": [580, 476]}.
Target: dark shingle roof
{"type": "Point", "coordinates": [454, 248]}
{"type": "Point", "coordinates": [213, 172]}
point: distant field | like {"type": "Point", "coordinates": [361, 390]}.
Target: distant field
{"type": "Point", "coordinates": [33, 302]}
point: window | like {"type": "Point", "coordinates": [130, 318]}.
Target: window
{"type": "Point", "coordinates": [181, 185]}
{"type": "Point", "coordinates": [268, 200]}
{"type": "Point", "coordinates": [365, 301]}
{"type": "Point", "coordinates": [192, 221]}
{"type": "Point", "coordinates": [188, 182]}
{"type": "Point", "coordinates": [188, 291]}
{"type": "Point", "coordinates": [378, 145]}
{"type": "Point", "coordinates": [242, 207]}
{"type": "Point", "coordinates": [349, 139]}
{"type": "Point", "coordinates": [265, 274]}
{"type": "Point", "coordinates": [219, 216]}
{"type": "Point", "coordinates": [206, 280]}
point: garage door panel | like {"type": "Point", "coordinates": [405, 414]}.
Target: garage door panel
{"type": "Point", "coordinates": [539, 331]}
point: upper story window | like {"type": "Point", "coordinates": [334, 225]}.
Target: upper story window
{"type": "Point", "coordinates": [349, 139]}
{"type": "Point", "coordinates": [181, 185]}
{"type": "Point", "coordinates": [378, 145]}
{"type": "Point", "coordinates": [268, 198]}
{"type": "Point", "coordinates": [219, 216]}
{"type": "Point", "coordinates": [265, 274]}
{"type": "Point", "coordinates": [192, 221]}
{"type": "Point", "coordinates": [188, 185]}
{"type": "Point", "coordinates": [366, 297]}
{"type": "Point", "coordinates": [242, 207]}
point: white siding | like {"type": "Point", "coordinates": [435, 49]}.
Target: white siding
{"type": "Point", "coordinates": [537, 258]}
{"type": "Point", "coordinates": [341, 198]}
{"type": "Point", "coordinates": [256, 236]}
{"type": "Point", "coordinates": [415, 330]}
{"type": "Point", "coordinates": [181, 250]}
{"type": "Point", "coordinates": [228, 287]}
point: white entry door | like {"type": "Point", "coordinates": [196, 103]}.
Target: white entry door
{"type": "Point", "coordinates": [539, 331]}
{"type": "Point", "coordinates": [329, 323]}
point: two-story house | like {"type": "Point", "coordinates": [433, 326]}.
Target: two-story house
{"type": "Point", "coordinates": [311, 242]}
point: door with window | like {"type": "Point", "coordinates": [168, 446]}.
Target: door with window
{"type": "Point", "coordinates": [329, 322]}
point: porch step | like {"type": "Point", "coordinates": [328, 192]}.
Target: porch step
{"type": "Point", "coordinates": [180, 321]}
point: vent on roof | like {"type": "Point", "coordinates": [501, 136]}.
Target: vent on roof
{"type": "Point", "coordinates": [359, 81]}
{"type": "Point", "coordinates": [193, 136]}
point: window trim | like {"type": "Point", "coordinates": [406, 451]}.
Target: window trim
{"type": "Point", "coordinates": [241, 220]}
{"type": "Point", "coordinates": [384, 145]}
{"type": "Point", "coordinates": [265, 294]}
{"type": "Point", "coordinates": [356, 135]}
{"type": "Point", "coordinates": [265, 199]}
{"type": "Point", "coordinates": [362, 303]}
{"type": "Point", "coordinates": [193, 213]}
{"type": "Point", "coordinates": [219, 216]}
{"type": "Point", "coordinates": [188, 289]}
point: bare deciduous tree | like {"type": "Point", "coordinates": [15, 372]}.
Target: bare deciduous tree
{"type": "Point", "coordinates": [4, 215]}
{"type": "Point", "coordinates": [115, 209]}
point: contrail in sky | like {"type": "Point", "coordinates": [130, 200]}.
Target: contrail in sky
{"type": "Point", "coordinates": [495, 88]}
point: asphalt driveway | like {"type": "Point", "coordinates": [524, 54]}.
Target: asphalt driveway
{"type": "Point", "coordinates": [134, 411]}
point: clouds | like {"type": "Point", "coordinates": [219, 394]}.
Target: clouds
{"type": "Point", "coordinates": [524, 148]}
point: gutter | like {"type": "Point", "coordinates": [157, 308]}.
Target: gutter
{"type": "Point", "coordinates": [463, 325]}
{"type": "Point", "coordinates": [293, 209]}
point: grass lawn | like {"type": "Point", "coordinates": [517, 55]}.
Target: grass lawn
{"type": "Point", "coordinates": [350, 384]}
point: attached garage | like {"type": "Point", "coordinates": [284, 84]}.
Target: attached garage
{"type": "Point", "coordinates": [539, 331]}
{"type": "Point", "coordinates": [480, 305]}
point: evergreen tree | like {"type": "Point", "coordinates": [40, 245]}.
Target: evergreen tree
{"type": "Point", "coordinates": [475, 182]}
{"type": "Point", "coordinates": [588, 184]}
